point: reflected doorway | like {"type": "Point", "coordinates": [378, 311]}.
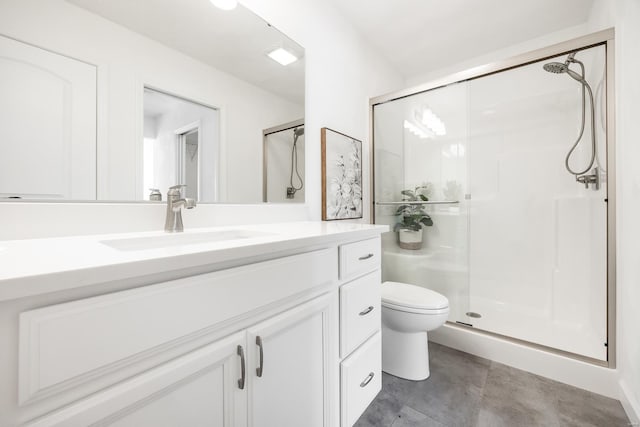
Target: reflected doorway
{"type": "Point", "coordinates": [180, 146]}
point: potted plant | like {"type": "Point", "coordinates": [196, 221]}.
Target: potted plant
{"type": "Point", "coordinates": [412, 218]}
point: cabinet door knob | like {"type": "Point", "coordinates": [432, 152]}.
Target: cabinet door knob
{"type": "Point", "coordinates": [242, 368]}
{"type": "Point", "coordinates": [366, 311]}
{"type": "Point", "coordinates": [367, 380]}
{"type": "Point", "coordinates": [261, 365]}
{"type": "Point", "coordinates": [367, 256]}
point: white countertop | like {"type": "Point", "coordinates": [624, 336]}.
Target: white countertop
{"type": "Point", "coordinates": [37, 266]}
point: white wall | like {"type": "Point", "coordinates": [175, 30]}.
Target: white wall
{"type": "Point", "coordinates": [342, 73]}
{"type": "Point", "coordinates": [625, 15]}
{"type": "Point", "coordinates": [513, 50]}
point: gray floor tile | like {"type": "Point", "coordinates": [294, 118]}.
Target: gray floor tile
{"type": "Point", "coordinates": [411, 418]}
{"type": "Point", "coordinates": [516, 398]}
{"type": "Point", "coordinates": [382, 412]}
{"type": "Point", "coordinates": [451, 394]}
{"type": "Point", "coordinates": [460, 367]}
{"type": "Point", "coordinates": [582, 408]}
{"type": "Point", "coordinates": [465, 390]}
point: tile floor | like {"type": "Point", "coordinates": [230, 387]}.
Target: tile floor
{"type": "Point", "coordinates": [466, 390]}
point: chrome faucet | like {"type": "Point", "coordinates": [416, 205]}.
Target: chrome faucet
{"type": "Point", "coordinates": [175, 204]}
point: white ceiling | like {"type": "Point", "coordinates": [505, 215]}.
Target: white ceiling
{"type": "Point", "coordinates": [233, 41]}
{"type": "Point", "coordinates": [419, 36]}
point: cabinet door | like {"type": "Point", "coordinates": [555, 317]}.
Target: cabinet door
{"type": "Point", "coordinates": [201, 388]}
{"type": "Point", "coordinates": [289, 368]}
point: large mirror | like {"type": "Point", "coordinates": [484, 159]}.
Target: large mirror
{"type": "Point", "coordinates": [111, 100]}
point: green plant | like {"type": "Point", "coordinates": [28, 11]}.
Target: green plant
{"type": "Point", "coordinates": [413, 216]}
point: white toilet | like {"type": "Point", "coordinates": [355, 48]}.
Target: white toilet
{"type": "Point", "coordinates": [408, 312]}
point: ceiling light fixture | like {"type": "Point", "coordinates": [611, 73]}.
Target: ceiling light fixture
{"type": "Point", "coordinates": [282, 56]}
{"type": "Point", "coordinates": [225, 4]}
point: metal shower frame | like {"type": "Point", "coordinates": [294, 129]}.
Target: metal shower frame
{"type": "Point", "coordinates": [604, 38]}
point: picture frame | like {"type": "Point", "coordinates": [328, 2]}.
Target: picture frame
{"type": "Point", "coordinates": [341, 176]}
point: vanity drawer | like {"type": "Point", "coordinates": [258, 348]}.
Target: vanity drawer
{"type": "Point", "coordinates": [70, 343]}
{"type": "Point", "coordinates": [359, 258]}
{"type": "Point", "coordinates": [359, 311]}
{"type": "Point", "coordinates": [360, 380]}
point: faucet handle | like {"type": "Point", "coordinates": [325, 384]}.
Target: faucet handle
{"type": "Point", "coordinates": [174, 190]}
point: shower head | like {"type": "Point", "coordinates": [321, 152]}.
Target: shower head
{"type": "Point", "coordinates": [555, 67]}
{"type": "Point", "coordinates": [298, 131]}
{"type": "Point", "coordinates": [559, 68]}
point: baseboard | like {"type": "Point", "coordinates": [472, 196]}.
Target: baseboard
{"type": "Point", "coordinates": [597, 379]}
{"type": "Point", "coordinates": [630, 404]}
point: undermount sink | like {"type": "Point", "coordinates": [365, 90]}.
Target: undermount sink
{"type": "Point", "coordinates": [182, 239]}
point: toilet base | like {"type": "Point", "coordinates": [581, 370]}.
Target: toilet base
{"type": "Point", "coordinates": [405, 354]}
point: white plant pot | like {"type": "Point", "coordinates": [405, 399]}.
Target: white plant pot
{"type": "Point", "coordinates": [410, 239]}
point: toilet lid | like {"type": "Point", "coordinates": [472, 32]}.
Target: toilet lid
{"type": "Point", "coordinates": [411, 296]}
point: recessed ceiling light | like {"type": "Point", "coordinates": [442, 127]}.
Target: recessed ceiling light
{"type": "Point", "coordinates": [282, 56]}
{"type": "Point", "coordinates": [225, 4]}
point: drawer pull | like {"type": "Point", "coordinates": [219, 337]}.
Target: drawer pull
{"type": "Point", "coordinates": [261, 365]}
{"type": "Point", "coordinates": [367, 256]}
{"type": "Point", "coordinates": [367, 380]}
{"type": "Point", "coordinates": [366, 311]}
{"type": "Point", "coordinates": [242, 368]}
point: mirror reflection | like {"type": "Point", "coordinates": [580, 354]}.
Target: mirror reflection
{"type": "Point", "coordinates": [284, 163]}
{"type": "Point", "coordinates": [180, 137]}
{"type": "Point", "coordinates": [104, 101]}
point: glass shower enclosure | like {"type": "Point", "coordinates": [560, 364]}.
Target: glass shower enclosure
{"type": "Point", "coordinates": [519, 244]}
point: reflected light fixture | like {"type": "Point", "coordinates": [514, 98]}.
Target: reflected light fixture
{"type": "Point", "coordinates": [282, 56]}
{"type": "Point", "coordinates": [433, 122]}
{"type": "Point", "coordinates": [225, 4]}
{"type": "Point", "coordinates": [417, 130]}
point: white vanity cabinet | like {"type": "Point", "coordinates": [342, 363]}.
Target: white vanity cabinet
{"type": "Point", "coordinates": [288, 373]}
{"type": "Point", "coordinates": [246, 346]}
{"type": "Point", "coordinates": [272, 374]}
{"type": "Point", "coordinates": [360, 325]}
{"type": "Point", "coordinates": [197, 389]}
{"type": "Point", "coordinates": [255, 338]}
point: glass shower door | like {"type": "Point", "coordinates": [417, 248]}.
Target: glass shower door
{"type": "Point", "coordinates": [538, 237]}
{"type": "Point", "coordinates": [420, 153]}
{"type": "Point", "coordinates": [519, 237]}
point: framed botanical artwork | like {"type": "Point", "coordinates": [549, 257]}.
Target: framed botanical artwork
{"type": "Point", "coordinates": [341, 176]}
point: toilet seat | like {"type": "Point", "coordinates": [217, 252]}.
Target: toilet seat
{"type": "Point", "coordinates": [416, 310]}
{"type": "Point", "coordinates": [413, 299]}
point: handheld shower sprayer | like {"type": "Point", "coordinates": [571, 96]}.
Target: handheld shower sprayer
{"type": "Point", "coordinates": [292, 189]}
{"type": "Point", "coordinates": [563, 68]}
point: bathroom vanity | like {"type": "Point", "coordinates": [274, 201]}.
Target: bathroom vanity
{"type": "Point", "coordinates": [274, 325]}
